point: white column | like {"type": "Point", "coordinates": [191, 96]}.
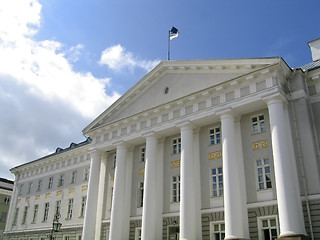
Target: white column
{"type": "Point", "coordinates": [235, 218]}
{"type": "Point", "coordinates": [89, 225]}
{"type": "Point", "coordinates": [188, 199]}
{"type": "Point", "coordinates": [128, 193]}
{"type": "Point", "coordinates": [149, 211]}
{"type": "Point", "coordinates": [100, 200]}
{"type": "Point", "coordinates": [288, 193]}
{"type": "Point", "coordinates": [197, 183]}
{"type": "Point", "coordinates": [118, 201]}
{"type": "Point", "coordinates": [160, 160]}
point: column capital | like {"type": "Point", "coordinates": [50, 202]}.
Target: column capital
{"type": "Point", "coordinates": [95, 152]}
{"type": "Point", "coordinates": [121, 144]}
{"type": "Point", "coordinates": [185, 125]}
{"type": "Point", "coordinates": [151, 134]}
{"type": "Point", "coordinates": [274, 98]}
{"type": "Point", "coordinates": [227, 113]}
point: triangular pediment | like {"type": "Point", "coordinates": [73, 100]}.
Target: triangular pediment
{"type": "Point", "coordinates": [172, 80]}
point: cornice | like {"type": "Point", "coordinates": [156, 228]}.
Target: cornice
{"type": "Point", "coordinates": [197, 66]}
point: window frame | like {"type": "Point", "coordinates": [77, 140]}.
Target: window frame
{"type": "Point", "coordinates": [74, 177]}
{"type": "Point", "coordinates": [138, 236]}
{"type": "Point", "coordinates": [215, 136]}
{"type": "Point", "coordinates": [25, 215]}
{"type": "Point", "coordinates": [176, 183]}
{"type": "Point", "coordinates": [15, 217]}
{"type": "Point", "coordinates": [83, 206]}
{"type": "Point", "coordinates": [70, 208]}
{"type": "Point", "coordinates": [40, 182]}
{"type": "Point", "coordinates": [50, 182]}
{"type": "Point", "coordinates": [261, 128]}
{"type": "Point", "coordinates": [212, 230]}
{"type": "Point", "coordinates": [35, 213]}
{"type": "Point", "coordinates": [143, 154]}
{"type": "Point", "coordinates": [140, 193]}
{"type": "Point", "coordinates": [86, 174]}
{"type": "Point", "coordinates": [176, 145]}
{"type": "Point", "coordinates": [261, 228]}
{"type": "Point", "coordinates": [61, 180]}
{"type": "Point", "coordinates": [46, 212]}
{"type": "Point", "coordinates": [29, 187]}
{"type": "Point", "coordinates": [263, 166]}
{"type": "Point", "coordinates": [218, 189]}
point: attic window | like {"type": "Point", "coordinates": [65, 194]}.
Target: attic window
{"type": "Point", "coordinates": [166, 90]}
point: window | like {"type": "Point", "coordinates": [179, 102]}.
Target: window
{"type": "Point", "coordinates": [138, 234]}
{"type": "Point", "coordinates": [111, 198]}
{"type": "Point", "coordinates": [176, 189]}
{"type": "Point", "coordinates": [217, 230]}
{"type": "Point", "coordinates": [46, 212]}
{"type": "Point", "coordinates": [6, 200]}
{"type": "Point", "coordinates": [83, 206]}
{"type": "Point", "coordinates": [264, 174]}
{"type": "Point", "coordinates": [70, 208]}
{"type": "Point", "coordinates": [86, 174]}
{"type": "Point", "coordinates": [74, 177]}
{"type": "Point", "coordinates": [35, 213]}
{"type": "Point", "coordinates": [58, 207]}
{"type": "Point", "coordinates": [30, 187]}
{"type": "Point", "coordinates": [258, 124]}
{"type": "Point", "coordinates": [21, 189]}
{"type": "Point", "coordinates": [217, 182]}
{"type": "Point", "coordinates": [61, 180]}
{"type": "Point", "coordinates": [50, 183]}
{"type": "Point", "coordinates": [3, 217]}
{"type": "Point", "coordinates": [215, 136]}
{"type": "Point", "coordinates": [268, 228]}
{"type": "Point", "coordinates": [66, 238]}
{"type": "Point", "coordinates": [142, 154]}
{"type": "Point", "coordinates": [15, 217]}
{"type": "Point", "coordinates": [140, 195]}
{"type": "Point", "coordinates": [25, 213]}
{"type": "Point", "coordinates": [114, 161]}
{"type": "Point", "coordinates": [39, 185]}
{"type": "Point", "coordinates": [176, 145]}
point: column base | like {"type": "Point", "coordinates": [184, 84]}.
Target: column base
{"type": "Point", "coordinates": [294, 237]}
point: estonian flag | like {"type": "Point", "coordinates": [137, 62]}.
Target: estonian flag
{"type": "Point", "coordinates": [173, 33]}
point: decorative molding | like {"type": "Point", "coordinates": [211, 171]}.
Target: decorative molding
{"type": "Point", "coordinates": [71, 190]}
{"type": "Point", "coordinates": [48, 195]}
{"type": "Point", "coordinates": [260, 144]}
{"type": "Point", "coordinates": [215, 155]}
{"type": "Point", "coordinates": [141, 171]}
{"type": "Point", "coordinates": [59, 193]}
{"type": "Point", "coordinates": [175, 164]}
{"type": "Point", "coordinates": [84, 188]}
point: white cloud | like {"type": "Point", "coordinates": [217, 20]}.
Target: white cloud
{"type": "Point", "coordinates": [44, 102]}
{"type": "Point", "coordinates": [117, 58]}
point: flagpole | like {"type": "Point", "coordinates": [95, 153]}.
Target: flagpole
{"type": "Point", "coordinates": [169, 45]}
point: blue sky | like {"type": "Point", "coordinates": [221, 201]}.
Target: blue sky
{"type": "Point", "coordinates": [64, 62]}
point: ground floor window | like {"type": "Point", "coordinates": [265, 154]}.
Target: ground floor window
{"type": "Point", "coordinates": [217, 230]}
{"type": "Point", "coordinates": [173, 232]}
{"type": "Point", "coordinates": [138, 234]}
{"type": "Point", "coordinates": [268, 228]}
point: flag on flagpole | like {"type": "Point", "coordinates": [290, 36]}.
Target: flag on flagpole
{"type": "Point", "coordinates": [173, 33]}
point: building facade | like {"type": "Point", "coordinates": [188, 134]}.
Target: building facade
{"type": "Point", "coordinates": [6, 188]}
{"type": "Point", "coordinates": [203, 149]}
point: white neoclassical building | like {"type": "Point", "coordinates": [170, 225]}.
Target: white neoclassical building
{"type": "Point", "coordinates": [199, 149]}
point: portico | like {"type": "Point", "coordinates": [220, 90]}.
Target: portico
{"type": "Point", "coordinates": [223, 104]}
